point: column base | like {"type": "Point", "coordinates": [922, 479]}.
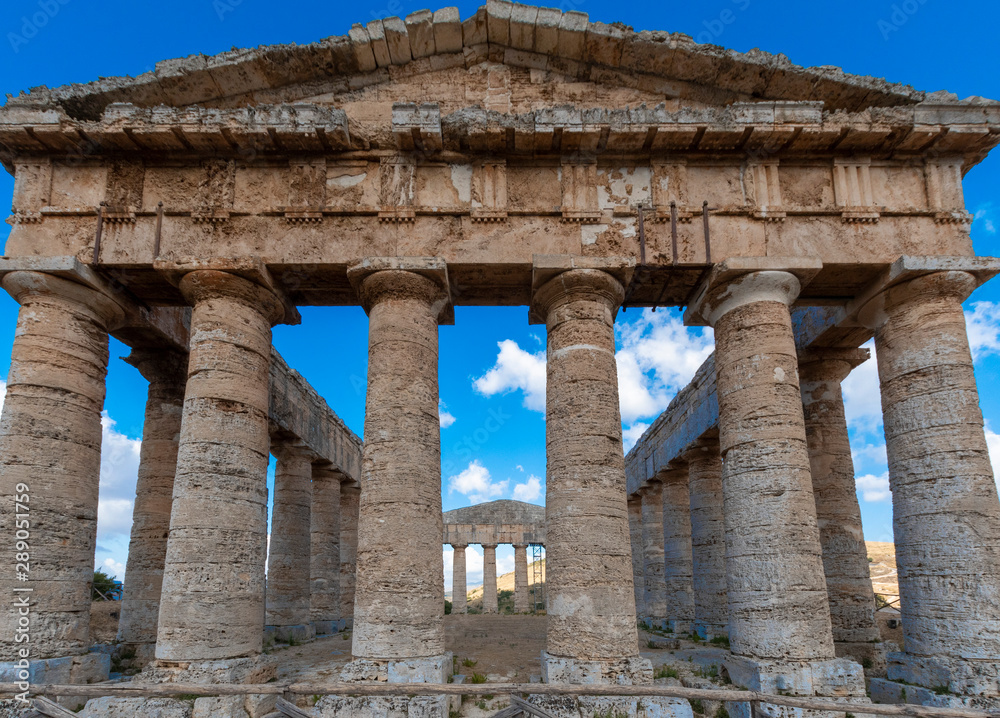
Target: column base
{"type": "Point", "coordinates": [886, 691]}
{"type": "Point", "coordinates": [679, 625]}
{"type": "Point", "coordinates": [708, 631]}
{"type": "Point", "coordinates": [255, 669]}
{"type": "Point", "coordinates": [326, 628]}
{"type": "Point", "coordinates": [430, 669]}
{"type": "Point", "coordinates": [633, 671]}
{"type": "Point", "coordinates": [386, 706]}
{"type": "Point", "coordinates": [945, 675]}
{"type": "Point", "coordinates": [839, 678]}
{"type": "Point", "coordinates": [871, 656]}
{"type": "Point", "coordinates": [93, 667]}
{"type": "Point", "coordinates": [292, 635]}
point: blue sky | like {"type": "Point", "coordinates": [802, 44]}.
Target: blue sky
{"type": "Point", "coordinates": [492, 368]}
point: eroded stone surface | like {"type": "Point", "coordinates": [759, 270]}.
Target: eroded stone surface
{"type": "Point", "coordinates": [288, 574]}
{"type": "Point", "coordinates": [490, 578]}
{"type": "Point", "coordinates": [654, 601]}
{"type": "Point", "coordinates": [708, 541]}
{"type": "Point", "coordinates": [324, 560]}
{"type": "Point", "coordinates": [677, 572]}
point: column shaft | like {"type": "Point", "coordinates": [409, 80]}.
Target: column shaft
{"type": "Point", "coordinates": [490, 579]}
{"type": "Point", "coordinates": [655, 598]}
{"type": "Point", "coordinates": [591, 604]}
{"type": "Point", "coordinates": [522, 603]}
{"type": "Point", "coordinates": [459, 592]}
{"type": "Point", "coordinates": [845, 557]}
{"type": "Point", "coordinates": [324, 560]}
{"type": "Point", "coordinates": [638, 562]}
{"type": "Point", "coordinates": [350, 501]}
{"type": "Point", "coordinates": [288, 569]}
{"type": "Point", "coordinates": [399, 597]}
{"type": "Point", "coordinates": [50, 458]}
{"type": "Point", "coordinates": [708, 547]}
{"type": "Point", "coordinates": [776, 589]}
{"type": "Point", "coordinates": [677, 550]}
{"type": "Point", "coordinates": [167, 376]}
{"type": "Point", "coordinates": [946, 515]}
{"type": "Point", "coordinates": [212, 605]}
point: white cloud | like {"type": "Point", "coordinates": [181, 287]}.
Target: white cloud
{"type": "Point", "coordinates": [516, 370]}
{"type": "Point", "coordinates": [874, 488]}
{"type": "Point", "coordinates": [476, 483]}
{"type": "Point", "coordinates": [993, 444]}
{"type": "Point", "coordinates": [862, 396]}
{"type": "Point", "coordinates": [530, 490]}
{"type": "Point", "coordinates": [444, 417]}
{"type": "Point", "coordinates": [519, 468]}
{"type": "Point", "coordinates": [632, 434]}
{"type": "Point", "coordinates": [983, 216]}
{"type": "Point", "coordinates": [658, 356]}
{"type": "Point", "coordinates": [119, 472]}
{"type": "Point", "coordinates": [983, 324]}
{"type": "Point", "coordinates": [115, 569]}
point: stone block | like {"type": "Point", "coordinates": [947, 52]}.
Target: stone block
{"type": "Point", "coordinates": [628, 671]}
{"type": "Point", "coordinates": [522, 27]}
{"type": "Point", "coordinates": [547, 24]}
{"type": "Point", "coordinates": [362, 48]}
{"type": "Point", "coordinates": [447, 30]}
{"type": "Point", "coordinates": [91, 668]}
{"type": "Point", "coordinates": [220, 707]}
{"type": "Point", "coordinates": [420, 28]}
{"type": "Point", "coordinates": [434, 669]}
{"type": "Point", "coordinates": [498, 21]}
{"type": "Point", "coordinates": [382, 707]}
{"type": "Point", "coordinates": [572, 35]}
{"type": "Point", "coordinates": [664, 643]}
{"type": "Point", "coordinates": [108, 707]}
{"type": "Point", "coordinates": [398, 40]}
{"type": "Point", "coordinates": [325, 628]}
{"type": "Point", "coordinates": [380, 48]}
{"type": "Point", "coordinates": [302, 633]}
{"type": "Point", "coordinates": [941, 672]}
{"type": "Point", "coordinates": [474, 31]}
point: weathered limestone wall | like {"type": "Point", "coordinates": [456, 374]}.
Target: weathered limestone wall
{"type": "Point", "coordinates": [638, 562]}
{"type": "Point", "coordinates": [655, 590]}
{"type": "Point", "coordinates": [677, 576]}
{"type": "Point", "coordinates": [167, 375]}
{"type": "Point", "coordinates": [212, 606]}
{"type": "Point", "coordinates": [50, 455]}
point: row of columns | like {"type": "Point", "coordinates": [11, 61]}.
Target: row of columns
{"type": "Point", "coordinates": [459, 591]}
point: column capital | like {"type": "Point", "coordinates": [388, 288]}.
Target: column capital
{"type": "Point", "coordinates": [556, 279]}
{"type": "Point", "coordinates": [377, 279]}
{"type": "Point", "coordinates": [702, 448]}
{"type": "Point", "coordinates": [738, 281]}
{"type": "Point", "coordinates": [520, 546]}
{"type": "Point", "coordinates": [488, 545]}
{"type": "Point", "coordinates": [287, 449]}
{"type": "Point", "coordinates": [462, 546]}
{"type": "Point", "coordinates": [244, 279]}
{"type": "Point", "coordinates": [955, 284]}
{"type": "Point", "coordinates": [673, 472]}
{"type": "Point", "coordinates": [25, 285]}
{"type": "Point", "coordinates": [157, 364]}
{"type": "Point", "coordinates": [829, 364]}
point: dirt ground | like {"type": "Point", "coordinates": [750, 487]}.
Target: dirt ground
{"type": "Point", "coordinates": [104, 621]}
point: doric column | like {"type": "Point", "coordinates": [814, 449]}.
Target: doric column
{"type": "Point", "coordinates": [399, 596]}
{"type": "Point", "coordinates": [212, 605]}
{"type": "Point", "coordinates": [490, 578]}
{"type": "Point", "coordinates": [50, 462]}
{"type": "Point", "coordinates": [778, 610]}
{"type": "Point", "coordinates": [708, 543]}
{"type": "Point", "coordinates": [459, 592]}
{"type": "Point", "coordinates": [350, 501]}
{"type": "Point", "coordinates": [288, 570]}
{"type": "Point", "coordinates": [324, 559]}
{"type": "Point", "coordinates": [677, 564]}
{"type": "Point", "coordinates": [655, 597]}
{"type": "Point", "coordinates": [638, 562]}
{"type": "Point", "coordinates": [946, 515]}
{"type": "Point", "coordinates": [166, 372]}
{"type": "Point", "coordinates": [522, 604]}
{"type": "Point", "coordinates": [591, 605]}
{"type": "Point", "coordinates": [845, 557]}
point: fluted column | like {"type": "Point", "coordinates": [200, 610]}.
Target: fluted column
{"type": "Point", "coordinates": [399, 596]}
{"type": "Point", "coordinates": [591, 604]}
{"type": "Point", "coordinates": [522, 604]}
{"type": "Point", "coordinates": [350, 501]}
{"type": "Point", "coordinates": [166, 372]}
{"type": "Point", "coordinates": [490, 578]}
{"type": "Point", "coordinates": [677, 562]}
{"type": "Point", "coordinates": [324, 560]}
{"type": "Point", "coordinates": [212, 605]}
{"type": "Point", "coordinates": [708, 543]}
{"type": "Point", "coordinates": [638, 562]}
{"type": "Point", "coordinates": [655, 597]}
{"type": "Point", "coordinates": [459, 592]}
{"type": "Point", "coordinates": [778, 609]}
{"type": "Point", "coordinates": [845, 557]}
{"type": "Point", "coordinates": [50, 459]}
{"type": "Point", "coordinates": [946, 515]}
{"type": "Point", "coordinates": [288, 570]}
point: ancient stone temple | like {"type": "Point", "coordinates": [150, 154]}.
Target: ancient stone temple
{"type": "Point", "coordinates": [521, 156]}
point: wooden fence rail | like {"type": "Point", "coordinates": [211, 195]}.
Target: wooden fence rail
{"type": "Point", "coordinates": [133, 689]}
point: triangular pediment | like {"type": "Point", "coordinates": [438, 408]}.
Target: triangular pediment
{"type": "Point", "coordinates": [505, 53]}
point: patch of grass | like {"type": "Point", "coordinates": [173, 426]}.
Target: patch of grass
{"type": "Point", "coordinates": [848, 715]}
{"type": "Point", "coordinates": [693, 636]}
{"type": "Point", "coordinates": [721, 712]}
{"type": "Point", "coordinates": [481, 704]}
{"type": "Point", "coordinates": [316, 699]}
{"type": "Point", "coordinates": [650, 644]}
{"type": "Point", "coordinates": [880, 601]}
{"type": "Point", "coordinates": [610, 713]}
{"type": "Point", "coordinates": [292, 641]}
{"type": "Point", "coordinates": [468, 662]}
{"type": "Point", "coordinates": [666, 672]}
{"type": "Point", "coordinates": [697, 706]}
{"type": "Point", "coordinates": [721, 641]}
{"type": "Point", "coordinates": [710, 672]}
{"type": "Point", "coordinates": [347, 636]}
{"type": "Point", "coordinates": [866, 663]}
{"type": "Point", "coordinates": [942, 690]}
{"type": "Point", "coordinates": [478, 678]}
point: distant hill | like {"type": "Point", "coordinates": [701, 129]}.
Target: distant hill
{"type": "Point", "coordinates": [506, 583]}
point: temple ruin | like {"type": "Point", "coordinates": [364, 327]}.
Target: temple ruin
{"type": "Point", "coordinates": [530, 157]}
